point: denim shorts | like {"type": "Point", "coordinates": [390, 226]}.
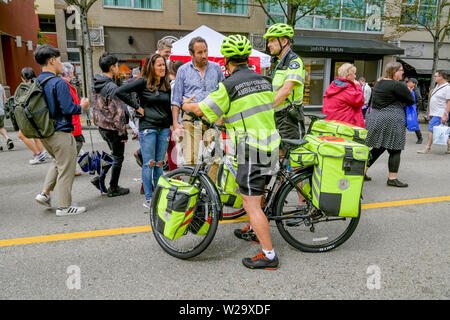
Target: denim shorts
{"type": "Point", "coordinates": [434, 122]}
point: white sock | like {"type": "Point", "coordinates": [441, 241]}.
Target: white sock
{"type": "Point", "coordinates": [269, 254]}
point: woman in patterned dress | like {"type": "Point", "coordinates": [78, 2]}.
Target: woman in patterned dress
{"type": "Point", "coordinates": [387, 121]}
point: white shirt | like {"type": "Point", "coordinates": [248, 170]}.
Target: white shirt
{"type": "Point", "coordinates": [439, 98]}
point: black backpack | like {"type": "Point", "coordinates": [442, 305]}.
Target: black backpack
{"type": "Point", "coordinates": [9, 112]}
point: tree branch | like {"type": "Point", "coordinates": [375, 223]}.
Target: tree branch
{"type": "Point", "coordinates": [262, 6]}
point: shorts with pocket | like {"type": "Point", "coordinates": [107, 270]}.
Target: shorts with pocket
{"type": "Point", "coordinates": [252, 178]}
{"type": "Point", "coordinates": [434, 122]}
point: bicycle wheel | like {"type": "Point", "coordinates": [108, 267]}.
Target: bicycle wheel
{"type": "Point", "coordinates": [228, 212]}
{"type": "Point", "coordinates": [314, 231]}
{"type": "Point", "coordinates": [190, 244]}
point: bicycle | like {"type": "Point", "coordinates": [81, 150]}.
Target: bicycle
{"type": "Point", "coordinates": [307, 229]}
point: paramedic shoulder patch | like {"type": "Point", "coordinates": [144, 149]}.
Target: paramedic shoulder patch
{"type": "Point", "coordinates": [294, 65]}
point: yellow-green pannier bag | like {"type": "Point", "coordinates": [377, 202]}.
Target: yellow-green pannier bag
{"type": "Point", "coordinates": [339, 129]}
{"type": "Point", "coordinates": [176, 203]}
{"type": "Point", "coordinates": [339, 174]}
{"type": "Point", "coordinates": [227, 185]}
{"type": "Point", "coordinates": [301, 157]}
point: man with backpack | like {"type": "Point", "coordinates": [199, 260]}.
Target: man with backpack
{"type": "Point", "coordinates": [61, 145]}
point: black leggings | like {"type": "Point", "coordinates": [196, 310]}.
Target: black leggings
{"type": "Point", "coordinates": [394, 158]}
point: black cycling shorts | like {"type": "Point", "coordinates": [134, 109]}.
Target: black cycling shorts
{"type": "Point", "coordinates": [251, 180]}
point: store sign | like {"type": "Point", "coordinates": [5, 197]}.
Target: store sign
{"type": "Point", "coordinates": [415, 50]}
{"type": "Point", "coordinates": [327, 49]}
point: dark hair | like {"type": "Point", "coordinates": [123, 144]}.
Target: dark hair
{"type": "Point", "coordinates": [238, 59]}
{"type": "Point", "coordinates": [27, 74]}
{"type": "Point", "coordinates": [148, 73]}
{"type": "Point", "coordinates": [106, 61]}
{"type": "Point", "coordinates": [44, 53]}
{"type": "Point", "coordinates": [194, 41]}
{"type": "Point", "coordinates": [174, 66]}
{"type": "Point", "coordinates": [443, 74]}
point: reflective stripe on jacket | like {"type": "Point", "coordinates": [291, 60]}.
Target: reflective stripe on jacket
{"type": "Point", "coordinates": [245, 100]}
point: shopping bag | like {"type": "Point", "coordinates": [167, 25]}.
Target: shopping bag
{"type": "Point", "coordinates": [440, 134]}
{"type": "Point", "coordinates": [412, 123]}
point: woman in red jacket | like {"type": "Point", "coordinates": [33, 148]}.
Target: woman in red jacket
{"type": "Point", "coordinates": [344, 98]}
{"type": "Point", "coordinates": [68, 75]}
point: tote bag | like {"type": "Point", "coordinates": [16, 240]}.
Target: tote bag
{"type": "Point", "coordinates": [412, 123]}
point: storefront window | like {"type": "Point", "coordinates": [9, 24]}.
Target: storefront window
{"type": "Point", "coordinates": [346, 15]}
{"type": "Point", "coordinates": [314, 81]}
{"type": "Point", "coordinates": [237, 7]}
{"type": "Point", "coordinates": [138, 4]}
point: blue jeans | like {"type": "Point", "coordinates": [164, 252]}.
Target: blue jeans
{"type": "Point", "coordinates": [154, 147]}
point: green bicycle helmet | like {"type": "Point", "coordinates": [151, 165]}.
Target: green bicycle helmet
{"type": "Point", "coordinates": [235, 45]}
{"type": "Point", "coordinates": [279, 30]}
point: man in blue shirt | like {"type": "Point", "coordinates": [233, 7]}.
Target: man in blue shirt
{"type": "Point", "coordinates": [198, 78]}
{"type": "Point", "coordinates": [61, 145]}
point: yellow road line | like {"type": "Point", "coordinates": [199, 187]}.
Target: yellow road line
{"type": "Point", "coordinates": [404, 202]}
{"type": "Point", "coordinates": [130, 230]}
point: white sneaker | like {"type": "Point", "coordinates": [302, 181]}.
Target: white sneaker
{"type": "Point", "coordinates": [146, 204]}
{"type": "Point", "coordinates": [70, 211]}
{"type": "Point", "coordinates": [43, 199]}
{"type": "Point", "coordinates": [40, 158]}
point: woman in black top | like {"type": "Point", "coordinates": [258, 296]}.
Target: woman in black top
{"type": "Point", "coordinates": [153, 93]}
{"type": "Point", "coordinates": [387, 120]}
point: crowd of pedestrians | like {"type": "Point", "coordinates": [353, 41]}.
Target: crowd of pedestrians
{"type": "Point", "coordinates": [381, 110]}
{"type": "Point", "coordinates": [150, 104]}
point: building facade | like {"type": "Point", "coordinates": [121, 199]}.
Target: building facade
{"type": "Point", "coordinates": [418, 45]}
{"type": "Point", "coordinates": [18, 41]}
{"type": "Point", "coordinates": [131, 28]}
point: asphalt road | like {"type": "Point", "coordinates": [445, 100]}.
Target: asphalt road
{"type": "Point", "coordinates": [396, 252]}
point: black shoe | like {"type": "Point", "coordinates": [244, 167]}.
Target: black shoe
{"type": "Point", "coordinates": [118, 192]}
{"type": "Point", "coordinates": [99, 185]}
{"type": "Point", "coordinates": [396, 183]}
{"type": "Point", "coordinates": [138, 156]}
{"type": "Point", "coordinates": [261, 262]}
{"type": "Point", "coordinates": [419, 141]}
{"type": "Point", "coordinates": [367, 178]}
{"type": "Point", "coordinates": [246, 234]}
{"type": "Point", "coordinates": [10, 144]}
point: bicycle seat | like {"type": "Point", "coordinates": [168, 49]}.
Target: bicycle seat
{"type": "Point", "coordinates": [320, 116]}
{"type": "Point", "coordinates": [295, 142]}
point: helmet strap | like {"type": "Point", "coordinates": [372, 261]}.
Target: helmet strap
{"type": "Point", "coordinates": [281, 48]}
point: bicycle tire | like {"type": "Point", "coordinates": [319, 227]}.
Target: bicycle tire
{"type": "Point", "coordinates": [287, 232]}
{"type": "Point", "coordinates": [168, 245]}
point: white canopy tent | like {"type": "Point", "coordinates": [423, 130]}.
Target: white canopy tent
{"type": "Point", "coordinates": [214, 40]}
